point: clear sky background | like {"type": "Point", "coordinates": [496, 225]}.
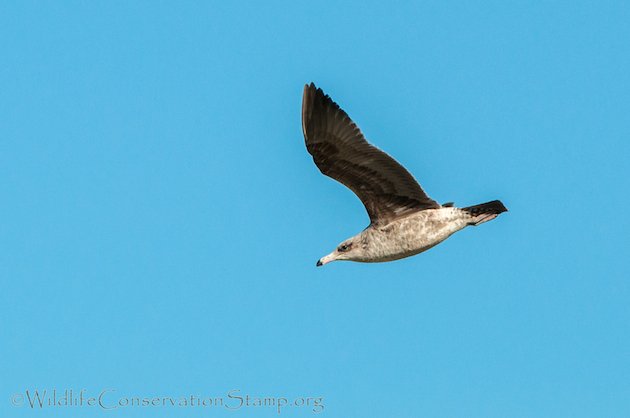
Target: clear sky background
{"type": "Point", "coordinates": [161, 217]}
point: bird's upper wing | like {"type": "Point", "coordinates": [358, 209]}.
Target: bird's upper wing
{"type": "Point", "coordinates": [341, 152]}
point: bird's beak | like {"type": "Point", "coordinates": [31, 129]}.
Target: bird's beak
{"type": "Point", "coordinates": [326, 259]}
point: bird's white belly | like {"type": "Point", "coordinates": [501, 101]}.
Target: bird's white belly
{"type": "Point", "coordinates": [413, 234]}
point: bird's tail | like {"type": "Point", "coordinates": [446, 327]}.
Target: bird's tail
{"type": "Point", "coordinates": [484, 212]}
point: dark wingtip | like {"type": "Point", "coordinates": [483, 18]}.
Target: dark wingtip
{"type": "Point", "coordinates": [310, 86]}
{"type": "Point", "coordinates": [319, 263]}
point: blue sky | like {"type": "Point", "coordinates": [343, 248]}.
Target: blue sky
{"type": "Point", "coordinates": [162, 218]}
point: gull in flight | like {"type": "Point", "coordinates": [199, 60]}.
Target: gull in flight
{"type": "Point", "coordinates": [404, 221]}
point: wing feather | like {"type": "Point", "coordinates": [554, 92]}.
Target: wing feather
{"type": "Point", "coordinates": [340, 151]}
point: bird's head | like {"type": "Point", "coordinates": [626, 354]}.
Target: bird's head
{"type": "Point", "coordinates": [347, 250]}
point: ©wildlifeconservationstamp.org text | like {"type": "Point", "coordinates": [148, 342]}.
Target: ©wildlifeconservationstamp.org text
{"type": "Point", "coordinates": [111, 399]}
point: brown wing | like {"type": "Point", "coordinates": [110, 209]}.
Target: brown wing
{"type": "Point", "coordinates": [340, 151]}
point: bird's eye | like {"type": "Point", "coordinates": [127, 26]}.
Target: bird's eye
{"type": "Point", "coordinates": [344, 248]}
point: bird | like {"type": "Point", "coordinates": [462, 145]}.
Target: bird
{"type": "Point", "coordinates": [404, 221]}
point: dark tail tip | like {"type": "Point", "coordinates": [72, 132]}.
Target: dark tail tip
{"type": "Point", "coordinates": [485, 212]}
{"type": "Point", "coordinates": [495, 207]}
